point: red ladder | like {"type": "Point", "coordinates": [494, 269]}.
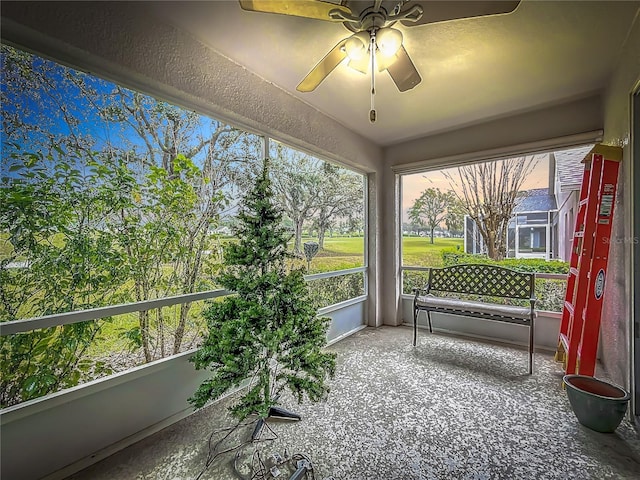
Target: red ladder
{"type": "Point", "coordinates": [580, 325]}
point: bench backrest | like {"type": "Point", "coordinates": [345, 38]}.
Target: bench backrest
{"type": "Point", "coordinates": [481, 279]}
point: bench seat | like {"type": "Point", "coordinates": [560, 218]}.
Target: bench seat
{"type": "Point", "coordinates": [467, 307]}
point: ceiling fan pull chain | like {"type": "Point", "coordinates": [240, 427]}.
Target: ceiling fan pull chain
{"type": "Point", "coordinates": [372, 51]}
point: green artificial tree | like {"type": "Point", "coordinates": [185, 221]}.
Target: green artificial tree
{"type": "Point", "coordinates": [267, 331]}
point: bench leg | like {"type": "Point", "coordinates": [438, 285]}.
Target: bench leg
{"type": "Point", "coordinates": [429, 319]}
{"type": "Point", "coordinates": [531, 347]}
{"type": "Point", "coordinates": [415, 326]}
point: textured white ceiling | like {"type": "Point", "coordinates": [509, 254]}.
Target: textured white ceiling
{"type": "Point", "coordinates": [544, 53]}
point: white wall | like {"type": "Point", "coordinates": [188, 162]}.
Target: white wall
{"type": "Point", "coordinates": [496, 136]}
{"type": "Point", "coordinates": [616, 325]}
{"type": "Point", "coordinates": [45, 435]}
{"type": "Point", "coordinates": [567, 210]}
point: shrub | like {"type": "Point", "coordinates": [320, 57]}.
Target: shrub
{"type": "Point", "coordinates": [536, 265]}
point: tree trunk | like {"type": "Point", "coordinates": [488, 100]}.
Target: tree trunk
{"type": "Point", "coordinates": [188, 286]}
{"type": "Point", "coordinates": [493, 251]}
{"type": "Point", "coordinates": [179, 335]}
{"type": "Point", "coordinates": [297, 247]}
{"type": "Point", "coordinates": [431, 235]}
{"type": "Point", "coordinates": [321, 235]}
{"type": "Point", "coordinates": [160, 322]}
{"type": "Point", "coordinates": [144, 332]}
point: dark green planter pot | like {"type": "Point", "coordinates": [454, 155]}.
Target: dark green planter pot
{"type": "Point", "coordinates": [599, 405]}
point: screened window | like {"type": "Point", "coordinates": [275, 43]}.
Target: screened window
{"type": "Point", "coordinates": [113, 197]}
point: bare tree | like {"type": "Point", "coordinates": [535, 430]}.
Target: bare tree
{"type": "Point", "coordinates": [489, 194]}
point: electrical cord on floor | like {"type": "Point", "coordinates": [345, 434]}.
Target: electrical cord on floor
{"type": "Point", "coordinates": [259, 469]}
{"type": "Point", "coordinates": [297, 457]}
{"type": "Point", "coordinates": [213, 454]}
{"type": "Point", "coordinates": [258, 466]}
{"type": "Point", "coordinates": [277, 466]}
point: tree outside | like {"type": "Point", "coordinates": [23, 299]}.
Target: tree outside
{"type": "Point", "coordinates": [454, 219]}
{"type": "Point", "coordinates": [488, 193]}
{"type": "Point", "coordinates": [341, 197]}
{"type": "Point", "coordinates": [431, 208]}
{"type": "Point", "coordinates": [314, 193]}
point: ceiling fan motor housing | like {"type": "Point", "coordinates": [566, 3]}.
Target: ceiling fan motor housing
{"type": "Point", "coordinates": [370, 20]}
{"type": "Point", "coordinates": [370, 15]}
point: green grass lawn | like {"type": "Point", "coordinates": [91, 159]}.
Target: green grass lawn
{"type": "Point", "coordinates": [420, 252]}
{"type": "Point", "coordinates": [348, 252]}
{"type": "Point", "coordinates": [339, 253]}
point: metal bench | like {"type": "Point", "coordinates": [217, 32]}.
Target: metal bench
{"type": "Point", "coordinates": [481, 280]}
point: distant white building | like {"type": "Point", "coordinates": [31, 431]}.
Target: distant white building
{"type": "Point", "coordinates": [226, 231]}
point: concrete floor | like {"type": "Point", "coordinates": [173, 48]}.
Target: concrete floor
{"type": "Point", "coordinates": [450, 408]}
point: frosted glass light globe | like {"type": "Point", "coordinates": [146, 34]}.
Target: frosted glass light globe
{"type": "Point", "coordinates": [389, 41]}
{"type": "Point", "coordinates": [357, 45]}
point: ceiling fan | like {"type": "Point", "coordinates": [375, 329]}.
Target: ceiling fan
{"type": "Point", "coordinates": [374, 42]}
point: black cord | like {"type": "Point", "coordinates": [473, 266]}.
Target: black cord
{"type": "Point", "coordinates": [211, 456]}
{"type": "Point", "coordinates": [213, 452]}
{"type": "Point", "coordinates": [259, 470]}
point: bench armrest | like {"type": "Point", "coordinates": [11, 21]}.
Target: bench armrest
{"type": "Point", "coordinates": [417, 290]}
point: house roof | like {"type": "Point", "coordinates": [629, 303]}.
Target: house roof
{"type": "Point", "coordinates": [569, 168]}
{"type": "Point", "coordinates": [535, 200]}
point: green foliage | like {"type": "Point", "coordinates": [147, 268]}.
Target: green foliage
{"type": "Point", "coordinates": [268, 331]}
{"type": "Point", "coordinates": [107, 196]}
{"type": "Point", "coordinates": [52, 215]}
{"type": "Point", "coordinates": [536, 265]}
{"type": "Point", "coordinates": [549, 292]}
{"type": "Point", "coordinates": [539, 265]}
{"type": "Point", "coordinates": [315, 193]}
{"type": "Point", "coordinates": [431, 208]}
{"type": "Point", "coordinates": [328, 291]}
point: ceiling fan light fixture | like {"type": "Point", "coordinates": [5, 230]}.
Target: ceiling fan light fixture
{"type": "Point", "coordinates": [361, 65]}
{"type": "Point", "coordinates": [357, 46]}
{"type": "Point", "coordinates": [389, 41]}
{"type": "Point", "coordinates": [383, 61]}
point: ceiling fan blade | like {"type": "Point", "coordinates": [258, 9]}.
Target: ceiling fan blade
{"type": "Point", "coordinates": [441, 11]}
{"type": "Point", "coordinates": [297, 8]}
{"type": "Point", "coordinates": [403, 72]}
{"type": "Point", "coordinates": [324, 67]}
